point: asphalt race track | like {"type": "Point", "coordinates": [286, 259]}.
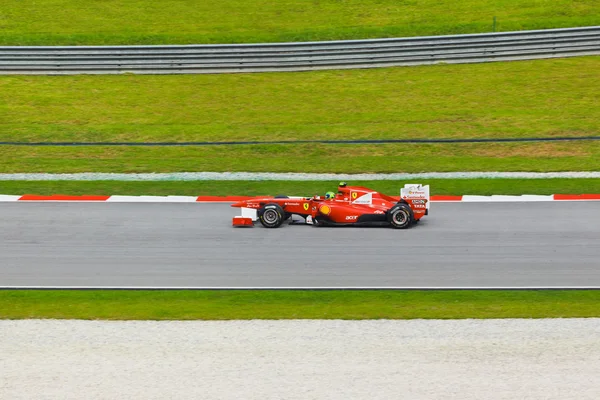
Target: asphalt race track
{"type": "Point", "coordinates": [549, 244]}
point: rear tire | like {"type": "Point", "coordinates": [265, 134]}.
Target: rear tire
{"type": "Point", "coordinates": [271, 215]}
{"type": "Point", "coordinates": [400, 216]}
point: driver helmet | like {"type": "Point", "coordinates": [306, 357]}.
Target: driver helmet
{"type": "Point", "coordinates": [329, 195]}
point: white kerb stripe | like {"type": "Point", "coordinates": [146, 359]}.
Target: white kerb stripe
{"type": "Point", "coordinates": [152, 199]}
{"type": "Point", "coordinates": [533, 197]}
{"type": "Point", "coordinates": [6, 197]}
{"type": "Point", "coordinates": [494, 198]}
{"type": "Point", "coordinates": [182, 199]}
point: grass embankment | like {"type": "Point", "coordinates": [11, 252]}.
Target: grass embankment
{"type": "Point", "coordinates": [225, 305]}
{"type": "Point", "coordinates": [535, 98]}
{"type": "Point", "coordinates": [72, 22]}
{"type": "Point", "coordinates": [536, 157]}
{"type": "Point", "coordinates": [300, 188]}
{"type": "Point", "coordinates": [515, 99]}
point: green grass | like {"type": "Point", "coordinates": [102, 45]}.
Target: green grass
{"type": "Point", "coordinates": [232, 304]}
{"type": "Point", "coordinates": [72, 22]}
{"type": "Point", "coordinates": [540, 98]}
{"type": "Point", "coordinates": [300, 188]}
{"type": "Point", "coordinates": [566, 156]}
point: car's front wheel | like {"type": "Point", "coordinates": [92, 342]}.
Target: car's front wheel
{"type": "Point", "coordinates": [286, 216]}
{"type": "Point", "coordinates": [400, 216]}
{"type": "Point", "coordinates": [271, 215]}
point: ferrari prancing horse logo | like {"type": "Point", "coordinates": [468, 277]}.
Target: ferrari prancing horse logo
{"type": "Point", "coordinates": [305, 205]}
{"type": "Point", "coordinates": [354, 195]}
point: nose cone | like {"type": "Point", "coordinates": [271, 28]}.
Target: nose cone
{"type": "Point", "coordinates": [239, 204]}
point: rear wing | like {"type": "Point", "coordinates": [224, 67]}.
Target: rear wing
{"type": "Point", "coordinates": [415, 191]}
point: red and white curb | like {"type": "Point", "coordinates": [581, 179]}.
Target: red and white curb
{"type": "Point", "coordinates": [232, 199]}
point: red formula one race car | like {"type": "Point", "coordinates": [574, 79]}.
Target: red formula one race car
{"type": "Point", "coordinates": [351, 205]}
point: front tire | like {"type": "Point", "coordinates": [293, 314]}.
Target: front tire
{"type": "Point", "coordinates": [400, 216]}
{"type": "Point", "coordinates": [286, 215]}
{"type": "Point", "coordinates": [271, 215]}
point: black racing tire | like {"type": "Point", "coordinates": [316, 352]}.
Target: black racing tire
{"type": "Point", "coordinates": [286, 215]}
{"type": "Point", "coordinates": [271, 215]}
{"type": "Point", "coordinates": [400, 216]}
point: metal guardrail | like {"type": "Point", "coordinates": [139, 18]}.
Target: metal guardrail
{"type": "Point", "coordinates": [302, 56]}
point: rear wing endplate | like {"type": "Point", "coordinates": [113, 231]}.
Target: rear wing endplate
{"type": "Point", "coordinates": [415, 191]}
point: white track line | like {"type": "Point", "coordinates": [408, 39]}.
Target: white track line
{"type": "Point", "coordinates": [304, 288]}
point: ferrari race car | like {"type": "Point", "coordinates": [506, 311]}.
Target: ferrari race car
{"type": "Point", "coordinates": [351, 205]}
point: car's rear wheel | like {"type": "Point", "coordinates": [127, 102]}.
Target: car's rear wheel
{"type": "Point", "coordinates": [400, 216]}
{"type": "Point", "coordinates": [271, 215]}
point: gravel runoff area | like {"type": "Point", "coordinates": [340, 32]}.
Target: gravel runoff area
{"type": "Point", "coordinates": [292, 359]}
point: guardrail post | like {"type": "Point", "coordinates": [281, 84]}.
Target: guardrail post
{"type": "Point", "coordinates": [494, 25]}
